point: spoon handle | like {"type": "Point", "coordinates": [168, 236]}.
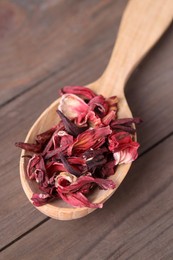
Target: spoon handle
{"type": "Point", "coordinates": [142, 25]}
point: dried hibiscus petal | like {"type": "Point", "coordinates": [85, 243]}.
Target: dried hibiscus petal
{"type": "Point", "coordinates": [65, 141]}
{"type": "Point", "coordinates": [70, 127]}
{"type": "Point", "coordinates": [128, 129]}
{"type": "Point", "coordinates": [43, 137]}
{"type": "Point", "coordinates": [126, 155]}
{"type": "Point", "coordinates": [108, 169]}
{"type": "Point", "coordinates": [73, 107]}
{"type": "Point", "coordinates": [40, 199]}
{"type": "Point", "coordinates": [126, 121]}
{"type": "Point", "coordinates": [112, 102]}
{"type": "Point", "coordinates": [54, 167]}
{"type": "Point", "coordinates": [111, 115]}
{"type": "Point", "coordinates": [31, 166]}
{"type": "Point", "coordinates": [83, 92]}
{"type": "Point", "coordinates": [99, 105]}
{"type": "Point", "coordinates": [79, 200]}
{"type": "Point", "coordinates": [96, 161]}
{"type": "Point", "coordinates": [35, 148]}
{"type": "Point", "coordinates": [68, 167]}
{"type": "Point", "coordinates": [83, 180]}
{"type": "Point", "coordinates": [91, 138]}
{"type": "Point", "coordinates": [123, 147]}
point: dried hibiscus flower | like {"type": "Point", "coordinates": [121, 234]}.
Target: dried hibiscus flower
{"type": "Point", "coordinates": [82, 150]}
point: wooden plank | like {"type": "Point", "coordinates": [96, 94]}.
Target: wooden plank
{"type": "Point", "coordinates": [23, 63]}
{"type": "Point", "coordinates": [17, 117]}
{"type": "Point", "coordinates": [134, 224]}
{"type": "Point", "coordinates": [40, 38]}
{"type": "Point", "coordinates": [146, 100]}
{"type": "Point", "coordinates": [153, 81]}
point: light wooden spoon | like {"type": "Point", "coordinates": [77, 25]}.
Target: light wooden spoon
{"type": "Point", "coordinates": [142, 25]}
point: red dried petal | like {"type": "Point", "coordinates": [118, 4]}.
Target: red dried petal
{"type": "Point", "coordinates": [65, 142]}
{"type": "Point", "coordinates": [31, 166]}
{"type": "Point", "coordinates": [54, 167]}
{"type": "Point", "coordinates": [40, 199]}
{"type": "Point", "coordinates": [76, 160]}
{"type": "Point", "coordinates": [83, 92]}
{"type": "Point", "coordinates": [108, 169]}
{"type": "Point", "coordinates": [70, 127]}
{"type": "Point", "coordinates": [43, 137]}
{"type": "Point", "coordinates": [128, 129]}
{"type": "Point", "coordinates": [113, 142]}
{"type": "Point", "coordinates": [91, 138]}
{"type": "Point", "coordinates": [68, 166]}
{"type": "Point", "coordinates": [109, 117]}
{"type": "Point", "coordinates": [126, 155]}
{"type": "Point", "coordinates": [99, 105]}
{"type": "Point", "coordinates": [39, 176]}
{"type": "Point", "coordinates": [98, 160]}
{"type": "Point", "coordinates": [79, 200]}
{"type": "Point", "coordinates": [126, 121]}
{"type": "Point", "coordinates": [73, 107]}
{"type": "Point", "coordinates": [83, 180]}
{"type": "Point", "coordinates": [123, 147]}
{"type": "Point", "coordinates": [112, 101]}
{"type": "Point", "coordinates": [35, 148]}
{"type": "Point", "coordinates": [92, 120]}
{"type": "Point", "coordinates": [92, 153]}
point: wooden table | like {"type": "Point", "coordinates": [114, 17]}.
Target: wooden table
{"type": "Point", "coordinates": [45, 45]}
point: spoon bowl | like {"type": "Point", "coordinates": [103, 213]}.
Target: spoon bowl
{"type": "Point", "coordinates": [58, 209]}
{"type": "Point", "coordinates": [134, 41]}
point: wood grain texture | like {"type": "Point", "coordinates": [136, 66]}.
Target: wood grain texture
{"type": "Point", "coordinates": [72, 70]}
{"type": "Point", "coordinates": [40, 38]}
{"type": "Point", "coordinates": [149, 93]}
{"type": "Point", "coordinates": [135, 223]}
{"type": "Point", "coordinates": [135, 39]}
{"type": "Point", "coordinates": [146, 87]}
{"type": "Point", "coordinates": [138, 33]}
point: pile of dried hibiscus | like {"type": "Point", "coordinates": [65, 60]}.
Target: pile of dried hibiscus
{"type": "Point", "coordinates": [82, 150]}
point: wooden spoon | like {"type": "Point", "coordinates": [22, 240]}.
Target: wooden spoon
{"type": "Point", "coordinates": [142, 25]}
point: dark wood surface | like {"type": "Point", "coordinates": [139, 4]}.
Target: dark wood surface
{"type": "Point", "coordinates": [45, 45]}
